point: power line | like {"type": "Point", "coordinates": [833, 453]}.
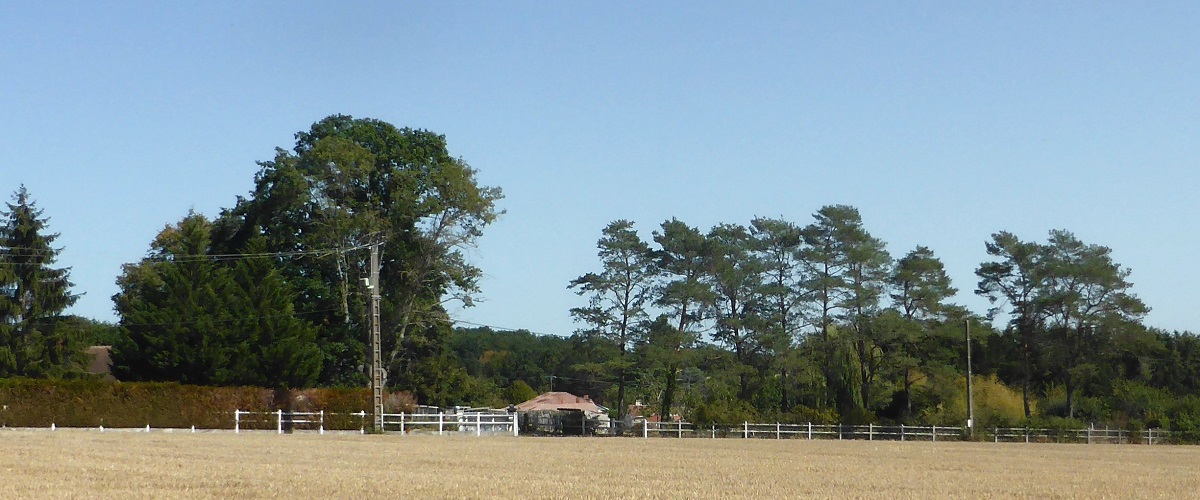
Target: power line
{"type": "Point", "coordinates": [169, 257]}
{"type": "Point", "coordinates": [228, 320]}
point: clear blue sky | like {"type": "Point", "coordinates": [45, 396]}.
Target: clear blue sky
{"type": "Point", "coordinates": [942, 122]}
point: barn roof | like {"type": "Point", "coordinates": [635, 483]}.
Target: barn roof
{"type": "Point", "coordinates": [561, 401]}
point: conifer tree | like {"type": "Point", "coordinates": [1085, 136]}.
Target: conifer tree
{"type": "Point", "coordinates": [32, 296]}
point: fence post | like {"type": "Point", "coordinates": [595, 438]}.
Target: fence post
{"type": "Point", "coordinates": [714, 431]}
{"type": "Point", "coordinates": [810, 431]}
{"type": "Point", "coordinates": [279, 420]}
{"type": "Point", "coordinates": [237, 417]}
{"type": "Point", "coordinates": [901, 432]}
{"type": "Point", "coordinates": [322, 428]}
{"type": "Point", "coordinates": [516, 424]}
{"type": "Point", "coordinates": [1089, 433]}
{"type": "Point", "coordinates": [776, 430]}
{"type": "Point", "coordinates": [870, 432]}
{"type": "Point", "coordinates": [478, 424]}
{"type": "Point", "coordinates": [839, 432]}
{"type": "Point", "coordinates": [934, 433]}
{"type": "Point", "coordinates": [645, 429]}
{"type": "Point", "coordinates": [745, 429]}
{"type": "Point", "coordinates": [441, 422]}
{"type": "Point", "coordinates": [679, 425]}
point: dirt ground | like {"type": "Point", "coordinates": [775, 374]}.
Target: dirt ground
{"type": "Point", "coordinates": [88, 463]}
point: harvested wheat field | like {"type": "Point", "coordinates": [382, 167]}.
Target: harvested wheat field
{"type": "Point", "coordinates": [66, 463]}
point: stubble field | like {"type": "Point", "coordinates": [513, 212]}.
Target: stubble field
{"type": "Point", "coordinates": [77, 463]}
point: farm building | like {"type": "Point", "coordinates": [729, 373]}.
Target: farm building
{"type": "Point", "coordinates": [563, 413]}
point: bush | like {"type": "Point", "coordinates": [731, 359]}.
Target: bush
{"type": "Point", "coordinates": [803, 414]}
{"type": "Point", "coordinates": [520, 392]}
{"type": "Point", "coordinates": [722, 413]}
{"type": "Point", "coordinates": [996, 404]}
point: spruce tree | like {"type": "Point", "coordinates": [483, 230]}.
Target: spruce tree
{"type": "Point", "coordinates": [33, 295]}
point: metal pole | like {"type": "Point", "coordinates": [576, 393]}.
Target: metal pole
{"type": "Point", "coordinates": [970, 393]}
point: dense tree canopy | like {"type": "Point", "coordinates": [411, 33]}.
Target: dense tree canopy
{"type": "Point", "coordinates": [267, 293]}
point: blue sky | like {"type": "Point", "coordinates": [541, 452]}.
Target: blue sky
{"type": "Point", "coordinates": [942, 122]}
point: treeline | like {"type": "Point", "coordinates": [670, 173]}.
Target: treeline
{"type": "Point", "coordinates": [818, 322]}
{"type": "Point", "coordinates": [771, 320]}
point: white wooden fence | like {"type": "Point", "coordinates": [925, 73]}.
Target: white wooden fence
{"type": "Point", "coordinates": [287, 420]}
{"type": "Point", "coordinates": [872, 432]}
{"type": "Point", "coordinates": [805, 431]}
{"type": "Point", "coordinates": [476, 423]}
{"type": "Point", "coordinates": [1090, 435]}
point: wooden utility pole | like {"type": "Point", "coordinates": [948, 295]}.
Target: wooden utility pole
{"type": "Point", "coordinates": [376, 345]}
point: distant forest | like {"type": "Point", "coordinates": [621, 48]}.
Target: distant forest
{"type": "Point", "coordinates": [774, 320]}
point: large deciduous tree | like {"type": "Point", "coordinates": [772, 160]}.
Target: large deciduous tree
{"type": "Point", "coordinates": [352, 182]}
{"type": "Point", "coordinates": [33, 294]}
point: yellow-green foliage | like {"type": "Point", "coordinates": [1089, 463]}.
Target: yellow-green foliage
{"type": "Point", "coordinates": [996, 404]}
{"type": "Point", "coordinates": [93, 402]}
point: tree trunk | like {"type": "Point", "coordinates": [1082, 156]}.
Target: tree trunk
{"type": "Point", "coordinates": [784, 404]}
{"type": "Point", "coordinates": [1025, 396]}
{"type": "Point", "coordinates": [668, 393]}
{"type": "Point", "coordinates": [621, 395]}
{"type": "Point", "coordinates": [1070, 397]}
{"type": "Point", "coordinates": [907, 394]}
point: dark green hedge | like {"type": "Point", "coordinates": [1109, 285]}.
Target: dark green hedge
{"type": "Point", "coordinates": [93, 402]}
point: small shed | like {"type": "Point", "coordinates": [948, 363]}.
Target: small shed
{"type": "Point", "coordinates": [563, 413]}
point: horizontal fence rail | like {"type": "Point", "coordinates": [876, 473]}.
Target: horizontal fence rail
{"type": "Point", "coordinates": [496, 423]}
{"type": "Point", "coordinates": [477, 423]}
{"type": "Point", "coordinates": [872, 432]}
{"type": "Point", "coordinates": [750, 430]}
{"type": "Point", "coordinates": [1090, 435]}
